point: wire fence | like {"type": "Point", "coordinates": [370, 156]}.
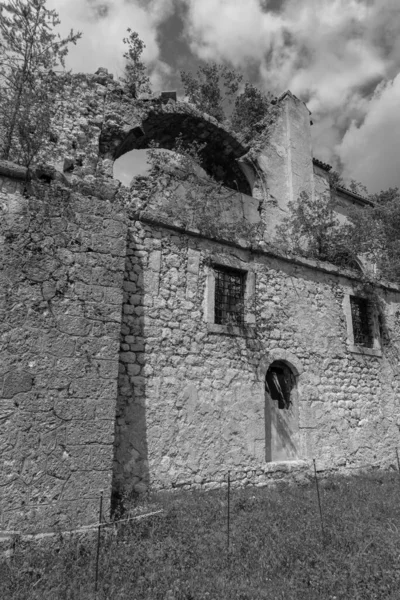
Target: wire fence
{"type": "Point", "coordinates": [106, 523]}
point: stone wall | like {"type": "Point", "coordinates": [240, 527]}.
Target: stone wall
{"type": "Point", "coordinates": [63, 250]}
{"type": "Point", "coordinates": [113, 373]}
{"type": "Point", "coordinates": [286, 162]}
{"type": "Point", "coordinates": [191, 393]}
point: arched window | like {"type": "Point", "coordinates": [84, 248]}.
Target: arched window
{"type": "Point", "coordinates": [281, 413]}
{"type": "Point", "coordinates": [279, 383]}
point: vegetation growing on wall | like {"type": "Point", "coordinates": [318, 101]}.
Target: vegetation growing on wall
{"type": "Point", "coordinates": [135, 79]}
{"type": "Point", "coordinates": [188, 196]}
{"type": "Point", "coordinates": [30, 50]}
{"type": "Point", "coordinates": [376, 234]}
{"type": "Point", "coordinates": [313, 230]}
{"type": "Point", "coordinates": [212, 88]}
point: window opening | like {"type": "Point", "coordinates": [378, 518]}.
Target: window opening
{"type": "Point", "coordinates": [279, 383]}
{"type": "Point", "coordinates": [229, 296]}
{"type": "Point", "coordinates": [360, 315]}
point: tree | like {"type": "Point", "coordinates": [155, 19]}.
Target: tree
{"type": "Point", "coordinates": [372, 233]}
{"type": "Point", "coordinates": [376, 235]}
{"type": "Point", "coordinates": [135, 79]}
{"type": "Point", "coordinates": [358, 188]}
{"type": "Point", "coordinates": [385, 196]}
{"type": "Point", "coordinates": [250, 109]}
{"type": "Point", "coordinates": [29, 53]}
{"type": "Point", "coordinates": [212, 87]}
{"type": "Point", "coordinates": [313, 230]}
{"type": "Point", "coordinates": [335, 180]}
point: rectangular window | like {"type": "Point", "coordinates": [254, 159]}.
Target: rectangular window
{"type": "Point", "coordinates": [229, 296]}
{"type": "Point", "coordinates": [362, 326]}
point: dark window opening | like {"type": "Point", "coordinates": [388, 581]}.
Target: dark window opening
{"type": "Point", "coordinates": [279, 383]}
{"type": "Point", "coordinates": [361, 319]}
{"type": "Point", "coordinates": [229, 296]}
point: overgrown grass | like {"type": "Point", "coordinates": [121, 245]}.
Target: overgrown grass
{"type": "Point", "coordinates": [276, 551]}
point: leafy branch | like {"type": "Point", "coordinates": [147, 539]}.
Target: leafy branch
{"type": "Point", "coordinates": [29, 52]}
{"type": "Point", "coordinates": [135, 78]}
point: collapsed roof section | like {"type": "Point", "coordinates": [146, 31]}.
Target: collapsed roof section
{"type": "Point", "coordinates": [162, 124]}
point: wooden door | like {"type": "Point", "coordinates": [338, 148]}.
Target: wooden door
{"type": "Point", "coordinates": [281, 413]}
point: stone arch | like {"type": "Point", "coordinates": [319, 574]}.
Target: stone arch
{"type": "Point", "coordinates": [220, 155]}
{"type": "Point", "coordinates": [279, 354]}
{"type": "Point", "coordinates": [280, 373]}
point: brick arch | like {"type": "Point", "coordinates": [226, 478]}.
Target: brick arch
{"type": "Point", "coordinates": [219, 156]}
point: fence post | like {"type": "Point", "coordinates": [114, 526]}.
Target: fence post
{"type": "Point", "coordinates": [319, 503]}
{"type": "Point", "coordinates": [398, 461]}
{"type": "Point", "coordinates": [229, 513]}
{"type": "Point", "coordinates": [98, 545]}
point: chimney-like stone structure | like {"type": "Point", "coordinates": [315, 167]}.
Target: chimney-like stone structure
{"type": "Point", "coordinates": [286, 160]}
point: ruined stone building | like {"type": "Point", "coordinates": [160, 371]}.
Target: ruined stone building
{"type": "Point", "coordinates": [153, 336]}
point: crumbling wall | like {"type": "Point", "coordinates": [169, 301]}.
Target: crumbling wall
{"type": "Point", "coordinates": [78, 247]}
{"type": "Point", "coordinates": [63, 252]}
{"type": "Point", "coordinates": [96, 121]}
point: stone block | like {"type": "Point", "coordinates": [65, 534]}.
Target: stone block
{"type": "Point", "coordinates": [74, 408]}
{"type": "Point", "coordinates": [86, 387]}
{"type": "Point", "coordinates": [89, 432]}
{"type": "Point", "coordinates": [106, 277]}
{"type": "Point", "coordinates": [155, 261]}
{"type": "Point", "coordinates": [193, 261]}
{"type": "Point", "coordinates": [84, 484]}
{"type": "Point", "coordinates": [15, 382]}
{"type": "Point", "coordinates": [74, 325]}
{"type": "Point", "coordinates": [108, 245]}
{"type": "Point", "coordinates": [88, 292]}
{"type": "Point", "coordinates": [106, 348]}
{"type": "Point", "coordinates": [113, 228]}
{"type": "Point", "coordinates": [151, 280]}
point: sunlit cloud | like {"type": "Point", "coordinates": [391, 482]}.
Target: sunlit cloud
{"type": "Point", "coordinates": [104, 25]}
{"type": "Point", "coordinates": [334, 54]}
{"type": "Point", "coordinates": [370, 152]}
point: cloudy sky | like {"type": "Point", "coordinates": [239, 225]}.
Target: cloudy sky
{"type": "Point", "coordinates": [342, 57]}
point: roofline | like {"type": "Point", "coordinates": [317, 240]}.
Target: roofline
{"type": "Point", "coordinates": [322, 165]}
{"type": "Point", "coordinates": [354, 195]}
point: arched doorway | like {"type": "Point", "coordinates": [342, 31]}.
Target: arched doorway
{"type": "Point", "coordinates": [281, 413]}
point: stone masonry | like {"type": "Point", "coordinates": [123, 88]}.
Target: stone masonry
{"type": "Point", "coordinates": [116, 376]}
{"type": "Point", "coordinates": [192, 394]}
{"type": "Point", "coordinates": [63, 252]}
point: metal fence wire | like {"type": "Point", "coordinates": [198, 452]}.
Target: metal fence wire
{"type": "Point", "coordinates": [227, 515]}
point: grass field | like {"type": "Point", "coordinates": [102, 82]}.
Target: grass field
{"type": "Point", "coordinates": [276, 548]}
